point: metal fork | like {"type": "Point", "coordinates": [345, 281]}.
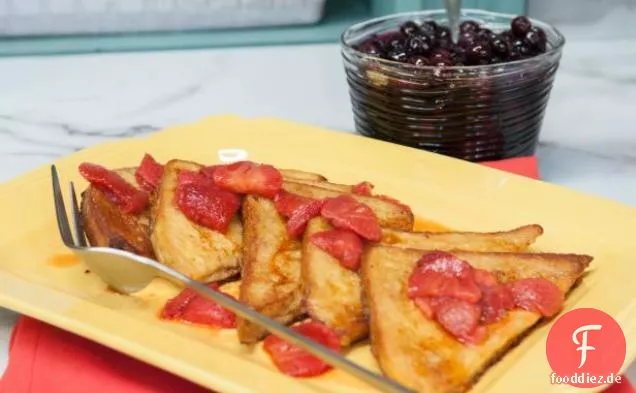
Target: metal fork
{"type": "Point", "coordinates": [128, 273]}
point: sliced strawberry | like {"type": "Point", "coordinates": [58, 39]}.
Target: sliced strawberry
{"type": "Point", "coordinates": [189, 177]}
{"type": "Point", "coordinates": [538, 295]}
{"type": "Point", "coordinates": [394, 201]}
{"type": "Point", "coordinates": [300, 217]}
{"type": "Point", "coordinates": [203, 202]}
{"type": "Point", "coordinates": [427, 283]}
{"type": "Point", "coordinates": [342, 244]}
{"type": "Point", "coordinates": [189, 307]}
{"type": "Point", "coordinates": [444, 262]}
{"type": "Point", "coordinates": [365, 188]}
{"type": "Point", "coordinates": [426, 305]}
{"type": "Point", "coordinates": [459, 318]}
{"type": "Point", "coordinates": [297, 362]}
{"type": "Point", "coordinates": [495, 301]}
{"type": "Point", "coordinates": [484, 278]}
{"type": "Point", "coordinates": [209, 171]}
{"type": "Point", "coordinates": [149, 173]}
{"type": "Point", "coordinates": [246, 177]}
{"type": "Point", "coordinates": [346, 213]}
{"type": "Point", "coordinates": [286, 202]}
{"type": "Point", "coordinates": [443, 274]}
{"type": "Point", "coordinates": [130, 199]}
{"type": "Point", "coordinates": [174, 307]}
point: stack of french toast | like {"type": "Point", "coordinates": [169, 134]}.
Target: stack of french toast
{"type": "Point", "coordinates": [339, 263]}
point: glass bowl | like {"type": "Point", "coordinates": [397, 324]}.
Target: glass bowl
{"type": "Point", "coordinates": [476, 113]}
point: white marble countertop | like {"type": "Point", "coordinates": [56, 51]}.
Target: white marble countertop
{"type": "Point", "coordinates": [53, 106]}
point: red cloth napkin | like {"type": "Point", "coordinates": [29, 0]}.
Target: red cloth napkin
{"type": "Point", "coordinates": [44, 359]}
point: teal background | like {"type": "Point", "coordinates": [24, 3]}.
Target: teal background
{"type": "Point", "coordinates": [339, 14]}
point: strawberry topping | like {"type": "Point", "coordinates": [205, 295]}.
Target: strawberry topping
{"type": "Point", "coordinates": [300, 217]}
{"type": "Point", "coordinates": [458, 317]}
{"type": "Point", "coordinates": [365, 188]}
{"type": "Point", "coordinates": [346, 213]}
{"type": "Point", "coordinates": [463, 299]}
{"type": "Point", "coordinates": [130, 199]}
{"type": "Point", "coordinates": [149, 173]}
{"type": "Point", "coordinates": [440, 274]}
{"type": "Point", "coordinates": [246, 177]}
{"type": "Point", "coordinates": [432, 284]}
{"type": "Point", "coordinates": [342, 244]}
{"type": "Point", "coordinates": [495, 301]}
{"type": "Point", "coordinates": [297, 362]}
{"type": "Point", "coordinates": [537, 295]}
{"type": "Point", "coordinates": [485, 279]}
{"type": "Point", "coordinates": [286, 202]}
{"type": "Point", "coordinates": [189, 307]}
{"type": "Point", "coordinates": [209, 171]}
{"type": "Point", "coordinates": [205, 203]}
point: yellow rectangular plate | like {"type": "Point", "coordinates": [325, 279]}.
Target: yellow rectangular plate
{"type": "Point", "coordinates": [458, 194]}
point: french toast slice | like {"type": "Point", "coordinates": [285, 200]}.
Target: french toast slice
{"type": "Point", "coordinates": [270, 278]}
{"type": "Point", "coordinates": [333, 292]}
{"type": "Point", "coordinates": [296, 174]}
{"type": "Point", "coordinates": [415, 350]}
{"type": "Point", "coordinates": [106, 225]}
{"type": "Point", "coordinates": [199, 252]}
{"type": "Point", "coordinates": [390, 215]}
{"type": "Point", "coordinates": [518, 239]}
{"type": "Point", "coordinates": [271, 273]}
{"type": "Point", "coordinates": [340, 188]}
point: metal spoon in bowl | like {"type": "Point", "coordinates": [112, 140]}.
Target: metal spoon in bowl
{"type": "Point", "coordinates": [453, 10]}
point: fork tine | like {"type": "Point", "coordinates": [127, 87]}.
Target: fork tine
{"type": "Point", "coordinates": [60, 210]}
{"type": "Point", "coordinates": [80, 235]}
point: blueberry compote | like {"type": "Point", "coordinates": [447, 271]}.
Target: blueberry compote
{"type": "Point", "coordinates": [477, 45]}
{"type": "Point", "coordinates": [413, 85]}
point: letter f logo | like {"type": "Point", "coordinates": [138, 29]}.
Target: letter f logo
{"type": "Point", "coordinates": [583, 344]}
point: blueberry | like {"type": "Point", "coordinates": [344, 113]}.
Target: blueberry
{"type": "Point", "coordinates": [410, 28]}
{"type": "Point", "coordinates": [397, 55]}
{"type": "Point", "coordinates": [440, 54]}
{"type": "Point", "coordinates": [479, 53]}
{"type": "Point", "coordinates": [466, 39]}
{"type": "Point", "coordinates": [485, 34]}
{"type": "Point", "coordinates": [395, 45]}
{"type": "Point", "coordinates": [536, 40]}
{"type": "Point", "coordinates": [443, 33]}
{"type": "Point", "coordinates": [468, 26]}
{"type": "Point", "coordinates": [520, 26]}
{"type": "Point", "coordinates": [521, 48]}
{"type": "Point", "coordinates": [419, 61]}
{"type": "Point", "coordinates": [431, 25]}
{"type": "Point", "coordinates": [500, 47]}
{"type": "Point", "coordinates": [419, 45]}
{"type": "Point", "coordinates": [429, 28]}
{"type": "Point", "coordinates": [539, 31]}
{"type": "Point", "coordinates": [443, 62]}
{"type": "Point", "coordinates": [372, 47]}
{"type": "Point", "coordinates": [458, 56]}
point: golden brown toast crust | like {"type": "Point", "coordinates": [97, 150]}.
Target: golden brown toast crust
{"type": "Point", "coordinates": [270, 282]}
{"type": "Point", "coordinates": [416, 351]}
{"type": "Point", "coordinates": [518, 239]}
{"type": "Point", "coordinates": [390, 215]}
{"type": "Point", "coordinates": [301, 175]}
{"type": "Point", "coordinates": [106, 225]}
{"type": "Point", "coordinates": [196, 251]}
{"type": "Point", "coordinates": [333, 293]}
{"type": "Point", "coordinates": [341, 188]}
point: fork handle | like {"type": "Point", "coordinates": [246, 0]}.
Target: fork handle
{"type": "Point", "coordinates": [336, 360]}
